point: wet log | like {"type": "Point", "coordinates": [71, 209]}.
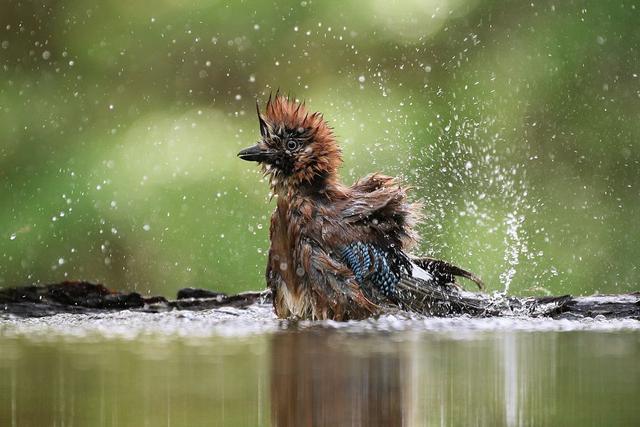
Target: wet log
{"type": "Point", "coordinates": [85, 297]}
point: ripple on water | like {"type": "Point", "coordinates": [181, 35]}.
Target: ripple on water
{"type": "Point", "coordinates": [259, 319]}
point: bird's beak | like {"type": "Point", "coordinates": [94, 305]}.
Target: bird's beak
{"type": "Point", "coordinates": [254, 154]}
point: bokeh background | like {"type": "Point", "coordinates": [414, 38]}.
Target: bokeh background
{"type": "Point", "coordinates": [517, 124]}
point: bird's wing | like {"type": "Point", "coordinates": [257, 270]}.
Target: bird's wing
{"type": "Point", "coordinates": [378, 224]}
{"type": "Point", "coordinates": [416, 284]}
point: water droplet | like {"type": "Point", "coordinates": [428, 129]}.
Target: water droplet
{"type": "Point", "coordinates": [46, 55]}
{"type": "Point", "coordinates": [362, 79]}
{"type": "Point", "coordinates": [61, 261]}
{"type": "Point", "coordinates": [146, 227]}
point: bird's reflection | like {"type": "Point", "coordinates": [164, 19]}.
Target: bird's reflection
{"type": "Point", "coordinates": [318, 379]}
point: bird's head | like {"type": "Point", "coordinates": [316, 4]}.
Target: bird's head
{"type": "Point", "coordinates": [296, 148]}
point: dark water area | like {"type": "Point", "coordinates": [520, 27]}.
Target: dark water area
{"type": "Point", "coordinates": [251, 371]}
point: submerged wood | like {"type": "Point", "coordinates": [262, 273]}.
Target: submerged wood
{"type": "Point", "coordinates": [85, 297]}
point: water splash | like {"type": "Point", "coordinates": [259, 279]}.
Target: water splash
{"type": "Point", "coordinates": [515, 244]}
{"type": "Point", "coordinates": [478, 198]}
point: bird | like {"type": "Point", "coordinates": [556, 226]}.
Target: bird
{"type": "Point", "coordinates": [340, 252]}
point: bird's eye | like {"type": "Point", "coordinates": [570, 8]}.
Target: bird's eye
{"type": "Point", "coordinates": [292, 144]}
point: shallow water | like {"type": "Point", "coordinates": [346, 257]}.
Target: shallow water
{"type": "Point", "coordinates": [243, 367]}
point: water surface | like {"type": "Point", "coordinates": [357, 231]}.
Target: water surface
{"type": "Point", "coordinates": [244, 368]}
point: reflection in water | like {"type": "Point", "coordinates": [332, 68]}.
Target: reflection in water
{"type": "Point", "coordinates": [323, 379]}
{"type": "Point", "coordinates": [472, 378]}
{"type": "Point", "coordinates": [488, 379]}
{"type": "Point", "coordinates": [318, 377]}
{"type": "Point", "coordinates": [319, 380]}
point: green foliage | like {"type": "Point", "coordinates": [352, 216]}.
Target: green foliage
{"type": "Point", "coordinates": [515, 122]}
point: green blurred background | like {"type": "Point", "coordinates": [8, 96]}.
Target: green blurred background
{"type": "Point", "coordinates": [517, 124]}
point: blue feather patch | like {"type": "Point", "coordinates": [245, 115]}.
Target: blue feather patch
{"type": "Point", "coordinates": [371, 264]}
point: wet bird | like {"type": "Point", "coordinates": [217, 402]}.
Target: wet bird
{"type": "Point", "coordinates": [338, 252]}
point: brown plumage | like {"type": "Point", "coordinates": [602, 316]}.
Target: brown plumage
{"type": "Point", "coordinates": [337, 252]}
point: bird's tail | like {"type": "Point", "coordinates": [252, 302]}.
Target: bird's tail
{"type": "Point", "coordinates": [431, 289]}
{"type": "Point", "coordinates": [445, 270]}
